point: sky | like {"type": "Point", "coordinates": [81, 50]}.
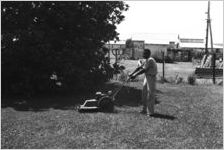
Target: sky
{"type": "Point", "coordinates": [163, 20]}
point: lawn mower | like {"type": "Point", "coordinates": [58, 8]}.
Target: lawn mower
{"type": "Point", "coordinates": [103, 102]}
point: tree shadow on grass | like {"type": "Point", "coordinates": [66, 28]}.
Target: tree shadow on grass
{"type": "Point", "coordinates": [162, 116]}
{"type": "Point", "coordinates": [128, 96]}
{"type": "Point", "coordinates": [46, 102]}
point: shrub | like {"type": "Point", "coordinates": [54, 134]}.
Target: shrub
{"type": "Point", "coordinates": [174, 80]}
{"type": "Point", "coordinates": [170, 79]}
{"type": "Point", "coordinates": [38, 40]}
{"type": "Point", "coordinates": [161, 79]}
{"type": "Point", "coordinates": [160, 60]}
{"type": "Point", "coordinates": [123, 76]}
{"type": "Point", "coordinates": [168, 59]}
{"type": "Point", "coordinates": [178, 79]}
{"type": "Point", "coordinates": [191, 79]}
{"type": "Point", "coordinates": [220, 83]}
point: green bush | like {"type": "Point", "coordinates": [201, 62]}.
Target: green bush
{"type": "Point", "coordinates": [44, 37]}
{"type": "Point", "coordinates": [191, 79]}
{"type": "Point", "coordinates": [123, 76]}
{"type": "Point", "coordinates": [160, 79]}
{"type": "Point", "coordinates": [160, 60]}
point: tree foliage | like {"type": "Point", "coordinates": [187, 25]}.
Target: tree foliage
{"type": "Point", "coordinates": [129, 43]}
{"type": "Point", "coordinates": [42, 37]}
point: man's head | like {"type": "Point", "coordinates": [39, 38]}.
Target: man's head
{"type": "Point", "coordinates": [146, 53]}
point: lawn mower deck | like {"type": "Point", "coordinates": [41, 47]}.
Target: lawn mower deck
{"type": "Point", "coordinates": [102, 103]}
{"type": "Point", "coordinates": [89, 106]}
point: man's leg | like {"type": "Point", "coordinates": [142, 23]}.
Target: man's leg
{"type": "Point", "coordinates": [144, 96]}
{"type": "Point", "coordinates": [151, 103]}
{"type": "Point", "coordinates": [151, 94]}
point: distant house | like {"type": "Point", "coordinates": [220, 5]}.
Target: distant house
{"type": "Point", "coordinates": [138, 47]}
{"type": "Point", "coordinates": [186, 48]}
{"type": "Point", "coordinates": [175, 47]}
{"type": "Point", "coordinates": [156, 43]}
{"type": "Point", "coordinates": [137, 50]}
{"type": "Point", "coordinates": [115, 45]}
{"type": "Point", "coordinates": [157, 49]}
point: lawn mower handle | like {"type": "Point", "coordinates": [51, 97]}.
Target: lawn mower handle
{"type": "Point", "coordinates": [118, 90]}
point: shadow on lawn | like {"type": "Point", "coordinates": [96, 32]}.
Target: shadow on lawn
{"type": "Point", "coordinates": [162, 116]}
{"type": "Point", "coordinates": [128, 96]}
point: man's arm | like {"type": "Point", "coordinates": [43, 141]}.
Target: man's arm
{"type": "Point", "coordinates": [140, 66]}
{"type": "Point", "coordinates": [143, 69]}
{"type": "Point", "coordinates": [139, 72]}
{"type": "Point", "coordinates": [136, 70]}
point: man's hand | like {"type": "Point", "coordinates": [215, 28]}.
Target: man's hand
{"type": "Point", "coordinates": [132, 77]}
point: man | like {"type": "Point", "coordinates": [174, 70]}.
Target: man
{"type": "Point", "coordinates": [149, 68]}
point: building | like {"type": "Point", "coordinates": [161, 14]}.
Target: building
{"type": "Point", "coordinates": [175, 47]}
{"type": "Point", "coordinates": [115, 45]}
{"type": "Point", "coordinates": [137, 50]}
{"type": "Point", "coordinates": [157, 49]}
{"type": "Point", "coordinates": [156, 42]}
{"type": "Point", "coordinates": [112, 45]}
{"type": "Point", "coordinates": [133, 53]}
{"type": "Point", "coordinates": [187, 48]}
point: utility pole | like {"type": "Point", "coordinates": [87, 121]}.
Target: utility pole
{"type": "Point", "coordinates": [213, 52]}
{"type": "Point", "coordinates": [209, 29]}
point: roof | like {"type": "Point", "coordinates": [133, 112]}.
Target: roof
{"type": "Point", "coordinates": [195, 42]}
{"type": "Point", "coordinates": [219, 44]}
{"type": "Point", "coordinates": [154, 38]}
{"type": "Point", "coordinates": [117, 42]}
{"type": "Point", "coordinates": [157, 44]}
{"type": "Point", "coordinates": [192, 45]}
{"type": "Point", "coordinates": [187, 40]}
{"type": "Point", "coordinates": [197, 45]}
{"type": "Point", "coordinates": [165, 38]}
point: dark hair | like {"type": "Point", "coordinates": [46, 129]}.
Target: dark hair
{"type": "Point", "coordinates": [147, 51]}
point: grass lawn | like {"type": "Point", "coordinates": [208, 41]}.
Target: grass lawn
{"type": "Point", "coordinates": [187, 117]}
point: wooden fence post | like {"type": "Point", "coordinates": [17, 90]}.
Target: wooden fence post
{"type": "Point", "coordinates": [163, 64]}
{"type": "Point", "coordinates": [213, 67]}
{"type": "Point", "coordinates": [109, 54]}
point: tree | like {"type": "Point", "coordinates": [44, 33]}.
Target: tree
{"type": "Point", "coordinates": [40, 38]}
{"type": "Point", "coordinates": [129, 43]}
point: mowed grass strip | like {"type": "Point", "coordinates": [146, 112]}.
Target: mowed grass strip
{"type": "Point", "coordinates": [188, 117]}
